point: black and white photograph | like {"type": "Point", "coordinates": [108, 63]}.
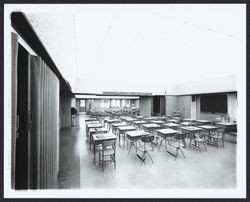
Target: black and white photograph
{"type": "Point", "coordinates": [125, 100]}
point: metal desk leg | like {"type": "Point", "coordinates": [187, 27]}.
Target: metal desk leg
{"type": "Point", "coordinates": [94, 155]}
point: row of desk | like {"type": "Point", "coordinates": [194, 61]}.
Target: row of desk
{"type": "Point", "coordinates": [132, 129]}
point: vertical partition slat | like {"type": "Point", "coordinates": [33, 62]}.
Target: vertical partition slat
{"type": "Point", "coordinates": [14, 56]}
{"type": "Point", "coordinates": [44, 138]}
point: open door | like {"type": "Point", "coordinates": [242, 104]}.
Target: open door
{"type": "Point", "coordinates": [159, 105]}
{"type": "Point", "coordinates": [23, 119]}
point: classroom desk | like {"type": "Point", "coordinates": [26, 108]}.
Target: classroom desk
{"type": "Point", "coordinates": [161, 118]}
{"type": "Point", "coordinates": [90, 119]}
{"type": "Point", "coordinates": [134, 136]}
{"type": "Point", "coordinates": [173, 121]}
{"type": "Point", "coordinates": [130, 120]}
{"type": "Point", "coordinates": [166, 133]}
{"type": "Point", "coordinates": [101, 117]}
{"type": "Point", "coordinates": [191, 130]}
{"type": "Point", "coordinates": [99, 139]}
{"type": "Point", "coordinates": [228, 126]}
{"type": "Point", "coordinates": [188, 120]}
{"type": "Point", "coordinates": [209, 129]}
{"type": "Point", "coordinates": [159, 122]}
{"type": "Point", "coordinates": [124, 118]}
{"type": "Point", "coordinates": [93, 131]}
{"type": "Point", "coordinates": [116, 125]}
{"type": "Point", "coordinates": [203, 122]}
{"type": "Point", "coordinates": [151, 127]}
{"type": "Point", "coordinates": [186, 123]}
{"type": "Point", "coordinates": [92, 122]}
{"type": "Point", "coordinates": [92, 125]}
{"type": "Point", "coordinates": [176, 118]}
{"type": "Point", "coordinates": [149, 118]}
{"type": "Point", "coordinates": [139, 117]}
{"type": "Point", "coordinates": [139, 123]}
{"type": "Point", "coordinates": [174, 126]}
{"type": "Point", "coordinates": [110, 121]}
{"type": "Point", "coordinates": [122, 130]}
{"type": "Point", "coordinates": [174, 115]}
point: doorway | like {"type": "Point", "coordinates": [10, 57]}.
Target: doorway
{"type": "Point", "coordinates": [23, 119]}
{"type": "Point", "coordinates": [159, 105]}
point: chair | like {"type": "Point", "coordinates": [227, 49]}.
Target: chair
{"type": "Point", "coordinates": [108, 150]}
{"type": "Point", "coordinates": [216, 137]}
{"type": "Point", "coordinates": [145, 148]}
{"type": "Point", "coordinates": [177, 144]}
{"type": "Point", "coordinates": [198, 141]}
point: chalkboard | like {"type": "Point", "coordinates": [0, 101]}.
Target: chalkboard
{"type": "Point", "coordinates": [213, 103]}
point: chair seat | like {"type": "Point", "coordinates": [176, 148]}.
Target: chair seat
{"type": "Point", "coordinates": [215, 136]}
{"type": "Point", "coordinates": [176, 144]}
{"type": "Point", "coordinates": [197, 139]}
{"type": "Point", "coordinates": [108, 152]}
{"type": "Point", "coordinates": [141, 148]}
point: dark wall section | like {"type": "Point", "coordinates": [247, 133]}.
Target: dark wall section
{"type": "Point", "coordinates": [65, 111]}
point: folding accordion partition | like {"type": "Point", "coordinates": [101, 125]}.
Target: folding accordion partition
{"type": "Point", "coordinates": [37, 124]}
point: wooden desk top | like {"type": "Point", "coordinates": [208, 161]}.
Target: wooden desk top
{"type": "Point", "coordinates": [151, 125]}
{"type": "Point", "coordinates": [92, 130]}
{"type": "Point", "coordinates": [126, 128]}
{"type": "Point", "coordinates": [226, 124]}
{"type": "Point", "coordinates": [188, 119]}
{"type": "Point", "coordinates": [92, 122]}
{"type": "Point", "coordinates": [185, 123]}
{"type": "Point", "coordinates": [149, 118]}
{"type": "Point", "coordinates": [157, 122]}
{"type": "Point", "coordinates": [136, 133]}
{"type": "Point", "coordinates": [139, 122]}
{"type": "Point", "coordinates": [103, 137]}
{"type": "Point", "coordinates": [191, 129]}
{"type": "Point", "coordinates": [113, 121]}
{"type": "Point", "coordinates": [172, 120]}
{"type": "Point", "coordinates": [160, 117]}
{"type": "Point", "coordinates": [94, 125]}
{"type": "Point", "coordinates": [130, 119]}
{"type": "Point", "coordinates": [208, 127]}
{"type": "Point", "coordinates": [90, 119]}
{"type": "Point", "coordinates": [203, 121]}
{"type": "Point", "coordinates": [167, 131]}
{"type": "Point", "coordinates": [171, 124]}
{"type": "Point", "coordinates": [119, 124]}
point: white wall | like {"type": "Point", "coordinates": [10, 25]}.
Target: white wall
{"type": "Point", "coordinates": [171, 104]}
{"type": "Point", "coordinates": [184, 104]}
{"type": "Point", "coordinates": [145, 106]}
{"type": "Point", "coordinates": [220, 84]}
{"type": "Point", "coordinates": [232, 105]}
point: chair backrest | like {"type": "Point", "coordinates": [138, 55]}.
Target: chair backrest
{"type": "Point", "coordinates": [147, 138]}
{"type": "Point", "coordinates": [221, 132]}
{"type": "Point", "coordinates": [179, 136]}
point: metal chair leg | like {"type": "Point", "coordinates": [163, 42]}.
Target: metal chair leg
{"type": "Point", "coordinates": [150, 157]}
{"type": "Point", "coordinates": [182, 153]}
{"type": "Point", "coordinates": [160, 145]}
{"type": "Point", "coordinates": [205, 147]}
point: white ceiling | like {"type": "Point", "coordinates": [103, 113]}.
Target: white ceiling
{"type": "Point", "coordinates": [141, 47]}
